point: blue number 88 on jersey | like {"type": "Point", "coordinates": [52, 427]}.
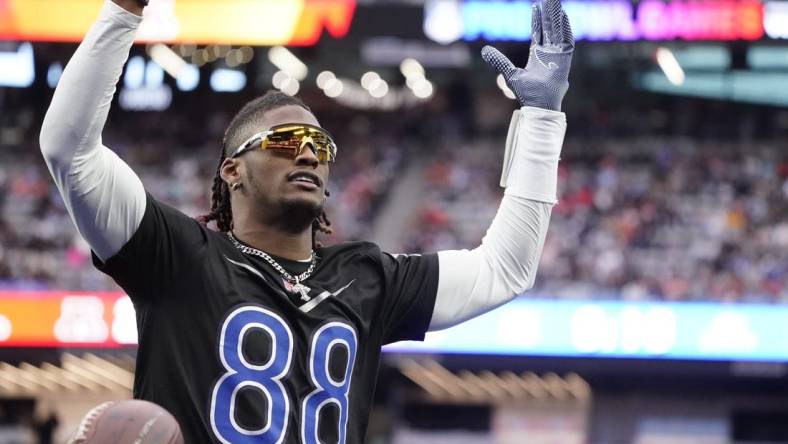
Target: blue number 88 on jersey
{"type": "Point", "coordinates": [268, 378]}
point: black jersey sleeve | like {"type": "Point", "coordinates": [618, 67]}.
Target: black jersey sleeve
{"type": "Point", "coordinates": [165, 245]}
{"type": "Point", "coordinates": [411, 284]}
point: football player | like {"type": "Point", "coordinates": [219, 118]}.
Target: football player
{"type": "Point", "coordinates": [253, 332]}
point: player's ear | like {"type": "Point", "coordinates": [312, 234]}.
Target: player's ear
{"type": "Point", "coordinates": [231, 170]}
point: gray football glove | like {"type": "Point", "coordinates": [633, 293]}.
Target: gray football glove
{"type": "Point", "coordinates": [545, 79]}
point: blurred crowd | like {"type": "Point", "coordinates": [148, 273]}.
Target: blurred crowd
{"type": "Point", "coordinates": [644, 218]}
{"type": "Point", "coordinates": [639, 217]}
{"type": "Point", "coordinates": [41, 249]}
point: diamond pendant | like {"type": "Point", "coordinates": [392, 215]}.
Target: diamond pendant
{"type": "Point", "coordinates": [304, 290]}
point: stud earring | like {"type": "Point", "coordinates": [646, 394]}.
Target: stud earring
{"type": "Point", "coordinates": [236, 186]}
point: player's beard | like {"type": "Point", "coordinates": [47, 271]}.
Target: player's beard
{"type": "Point", "coordinates": [291, 214]}
{"type": "Point", "coordinates": [299, 214]}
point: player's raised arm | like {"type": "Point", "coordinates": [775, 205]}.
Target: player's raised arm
{"type": "Point", "coordinates": [473, 282]}
{"type": "Point", "coordinates": [103, 195]}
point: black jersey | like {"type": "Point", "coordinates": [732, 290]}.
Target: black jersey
{"type": "Point", "coordinates": [236, 357]}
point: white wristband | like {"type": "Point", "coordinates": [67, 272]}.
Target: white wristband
{"type": "Point", "coordinates": [533, 149]}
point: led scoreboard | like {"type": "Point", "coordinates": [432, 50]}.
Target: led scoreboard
{"type": "Point", "coordinates": [605, 20]}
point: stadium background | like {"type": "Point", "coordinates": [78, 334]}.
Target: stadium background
{"type": "Point", "coordinates": [659, 310]}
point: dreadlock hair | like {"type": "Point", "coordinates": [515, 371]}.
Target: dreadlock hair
{"type": "Point", "coordinates": [240, 125]}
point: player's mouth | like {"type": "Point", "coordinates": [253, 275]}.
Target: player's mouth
{"type": "Point", "coordinates": [305, 180]}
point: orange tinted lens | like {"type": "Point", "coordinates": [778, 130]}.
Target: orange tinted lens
{"type": "Point", "coordinates": [294, 139]}
{"type": "Point", "coordinates": [324, 156]}
{"type": "Point", "coordinates": [282, 144]}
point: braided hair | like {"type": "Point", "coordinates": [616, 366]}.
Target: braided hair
{"type": "Point", "coordinates": [221, 210]}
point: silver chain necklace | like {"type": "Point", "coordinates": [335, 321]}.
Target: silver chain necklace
{"type": "Point", "coordinates": [294, 281]}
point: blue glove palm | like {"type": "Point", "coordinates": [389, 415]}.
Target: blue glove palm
{"type": "Point", "coordinates": [545, 79]}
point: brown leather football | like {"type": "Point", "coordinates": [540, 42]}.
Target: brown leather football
{"type": "Point", "coordinates": [128, 422]}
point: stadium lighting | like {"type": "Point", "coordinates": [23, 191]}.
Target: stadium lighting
{"type": "Point", "coordinates": [412, 81]}
{"type": "Point", "coordinates": [290, 86]}
{"type": "Point", "coordinates": [375, 84]}
{"type": "Point", "coordinates": [144, 87]}
{"type": "Point", "coordinates": [415, 78]}
{"type": "Point", "coordinates": [154, 75]}
{"type": "Point", "coordinates": [423, 89]}
{"type": "Point", "coordinates": [222, 50]}
{"type": "Point", "coordinates": [379, 89]}
{"type": "Point", "coordinates": [233, 58]}
{"type": "Point", "coordinates": [670, 66]}
{"type": "Point", "coordinates": [775, 21]}
{"type": "Point", "coordinates": [413, 72]}
{"type": "Point", "coordinates": [324, 77]}
{"type": "Point", "coordinates": [334, 87]}
{"type": "Point", "coordinates": [167, 59]}
{"type": "Point", "coordinates": [189, 78]}
{"type": "Point", "coordinates": [53, 74]}
{"type": "Point", "coordinates": [411, 68]}
{"type": "Point", "coordinates": [228, 80]}
{"type": "Point", "coordinates": [369, 80]}
{"type": "Point", "coordinates": [283, 82]}
{"type": "Point", "coordinates": [17, 69]}
{"type": "Point", "coordinates": [187, 49]}
{"type": "Point", "coordinates": [135, 73]}
{"type": "Point", "coordinates": [504, 87]}
{"type": "Point", "coordinates": [210, 54]}
{"type": "Point", "coordinates": [286, 61]}
{"type": "Point", "coordinates": [199, 57]}
{"type": "Point", "coordinates": [247, 54]}
{"type": "Point", "coordinates": [278, 79]}
{"type": "Point", "coordinates": [443, 21]}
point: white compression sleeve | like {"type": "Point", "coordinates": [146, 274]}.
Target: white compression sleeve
{"type": "Point", "coordinates": [476, 281]}
{"type": "Point", "coordinates": [104, 197]}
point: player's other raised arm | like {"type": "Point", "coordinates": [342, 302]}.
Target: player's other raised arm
{"type": "Point", "coordinates": [105, 198]}
{"type": "Point", "coordinates": [473, 282]}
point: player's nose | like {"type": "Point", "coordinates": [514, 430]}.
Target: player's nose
{"type": "Point", "coordinates": [307, 156]}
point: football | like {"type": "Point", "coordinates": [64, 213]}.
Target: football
{"type": "Point", "coordinates": [128, 422]}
